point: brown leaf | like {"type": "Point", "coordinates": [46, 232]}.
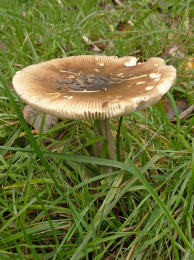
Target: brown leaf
{"type": "Point", "coordinates": [91, 44]}
{"type": "Point", "coordinates": [102, 43]}
{"type": "Point", "coordinates": [125, 26]}
{"type": "Point", "coordinates": [34, 118]}
{"type": "Point", "coordinates": [181, 105]}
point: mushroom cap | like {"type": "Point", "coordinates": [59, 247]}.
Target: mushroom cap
{"type": "Point", "coordinates": [93, 87]}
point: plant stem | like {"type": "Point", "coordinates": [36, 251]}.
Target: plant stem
{"type": "Point", "coordinates": [118, 139]}
{"type": "Point", "coordinates": [102, 128]}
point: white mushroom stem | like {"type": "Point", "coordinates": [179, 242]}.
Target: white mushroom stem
{"type": "Point", "coordinates": [102, 127]}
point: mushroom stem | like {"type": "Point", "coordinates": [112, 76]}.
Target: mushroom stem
{"type": "Point", "coordinates": [102, 128]}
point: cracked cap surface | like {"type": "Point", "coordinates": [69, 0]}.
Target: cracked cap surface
{"type": "Point", "coordinates": [93, 87]}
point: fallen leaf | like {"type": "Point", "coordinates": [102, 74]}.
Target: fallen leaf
{"type": "Point", "coordinates": [34, 118]}
{"type": "Point", "coordinates": [102, 43]}
{"type": "Point", "coordinates": [91, 44]}
{"type": "Point", "coordinates": [181, 106]}
{"type": "Point", "coordinates": [125, 26]}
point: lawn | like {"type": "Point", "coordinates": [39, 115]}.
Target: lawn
{"type": "Point", "coordinates": [57, 200]}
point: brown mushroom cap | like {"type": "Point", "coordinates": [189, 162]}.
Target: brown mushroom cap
{"type": "Point", "coordinates": [93, 87]}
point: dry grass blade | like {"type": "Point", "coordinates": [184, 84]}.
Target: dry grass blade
{"type": "Point", "coordinates": [118, 2]}
{"type": "Point", "coordinates": [186, 112]}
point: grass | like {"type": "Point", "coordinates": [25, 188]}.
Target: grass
{"type": "Point", "coordinates": [53, 202]}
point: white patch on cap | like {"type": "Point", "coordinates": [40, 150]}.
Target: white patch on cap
{"type": "Point", "coordinates": [140, 82]}
{"type": "Point", "coordinates": [149, 88]}
{"type": "Point", "coordinates": [97, 70]}
{"type": "Point", "coordinates": [120, 74]}
{"type": "Point", "coordinates": [131, 62]}
{"type": "Point", "coordinates": [141, 76]}
{"type": "Point", "coordinates": [154, 75]}
{"type": "Point", "coordinates": [101, 64]}
{"type": "Point", "coordinates": [53, 93]}
{"type": "Point", "coordinates": [84, 91]}
{"type": "Point", "coordinates": [157, 79]}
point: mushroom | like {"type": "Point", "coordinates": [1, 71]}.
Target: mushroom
{"type": "Point", "coordinates": [94, 87]}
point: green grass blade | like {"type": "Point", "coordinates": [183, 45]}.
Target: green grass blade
{"type": "Point", "coordinates": [132, 169]}
{"type": "Point", "coordinates": [173, 103]}
{"type": "Point", "coordinates": [28, 132]}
